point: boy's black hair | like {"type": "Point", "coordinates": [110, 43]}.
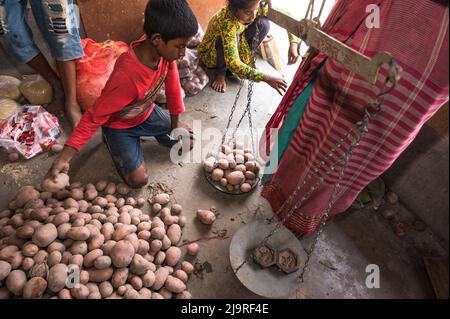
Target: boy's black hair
{"type": "Point", "coordinates": [171, 18]}
{"type": "Point", "coordinates": [240, 4]}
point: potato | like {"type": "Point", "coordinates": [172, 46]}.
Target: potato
{"type": "Point", "coordinates": [158, 232]}
{"type": "Point", "coordinates": [245, 188]}
{"type": "Point", "coordinates": [192, 249]}
{"type": "Point", "coordinates": [148, 279]}
{"type": "Point", "coordinates": [156, 208]}
{"type": "Point", "coordinates": [182, 275]}
{"type": "Point", "coordinates": [170, 220]}
{"type": "Point", "coordinates": [122, 231]}
{"type": "Point", "coordinates": [119, 277]}
{"type": "Point", "coordinates": [187, 267]}
{"type": "Point", "coordinates": [28, 250]}
{"type": "Point", "coordinates": [16, 282]}
{"type": "Point", "coordinates": [76, 194]}
{"type": "Point", "coordinates": [71, 203]}
{"type": "Point", "coordinates": [166, 243]}
{"type": "Point", "coordinates": [91, 256]}
{"type": "Point", "coordinates": [54, 185]}
{"type": "Point", "coordinates": [156, 295]}
{"type": "Point", "coordinates": [206, 217]}
{"type": "Point", "coordinates": [210, 164]}
{"type": "Point", "coordinates": [107, 231]}
{"type": "Point", "coordinates": [79, 248]}
{"type": "Point", "coordinates": [176, 209]}
{"type": "Point", "coordinates": [110, 189]}
{"type": "Point", "coordinates": [140, 202]}
{"type": "Point", "coordinates": [173, 255]}
{"type": "Point", "coordinates": [39, 269]}
{"type": "Point", "coordinates": [96, 242]}
{"type": "Point", "coordinates": [54, 258]}
{"type": "Point", "coordinates": [106, 289]}
{"type": "Point", "coordinates": [8, 252]}
{"type": "Point", "coordinates": [155, 245]}
{"type": "Point", "coordinates": [164, 213]}
{"type": "Point", "coordinates": [5, 269]}
{"type": "Point", "coordinates": [143, 247]}
{"type": "Point", "coordinates": [160, 257]}
{"type": "Point", "coordinates": [39, 214]}
{"type": "Point", "coordinates": [184, 295]}
{"type": "Point", "coordinates": [80, 292]}
{"type": "Point", "coordinates": [34, 288]}
{"type": "Point", "coordinates": [122, 254]}
{"type": "Point", "coordinates": [120, 202]}
{"type": "Point", "coordinates": [161, 199]}
{"type": "Point", "coordinates": [94, 295]}
{"type": "Point", "coordinates": [24, 195]}
{"type": "Point", "coordinates": [145, 293]}
{"type": "Point", "coordinates": [45, 235]}
{"type": "Point", "coordinates": [108, 246]}
{"type": "Point", "coordinates": [165, 293]}
{"type": "Point", "coordinates": [56, 246]}
{"type": "Point", "coordinates": [130, 201]}
{"type": "Point", "coordinates": [217, 174]}
{"type": "Point", "coordinates": [139, 265]}
{"type": "Point", "coordinates": [125, 218]}
{"type": "Point", "coordinates": [101, 185]}
{"type": "Point", "coordinates": [182, 221]}
{"type": "Point", "coordinates": [64, 294]}
{"type": "Point", "coordinates": [133, 239]}
{"type": "Point", "coordinates": [136, 282]}
{"type": "Point", "coordinates": [102, 262]}
{"type": "Point", "coordinates": [57, 277]}
{"type": "Point", "coordinates": [123, 189]}
{"type": "Point", "coordinates": [66, 257]}
{"type": "Point", "coordinates": [100, 201]}
{"type": "Point", "coordinates": [132, 294]}
{"type": "Point", "coordinates": [100, 275]}
{"type": "Point", "coordinates": [157, 222]}
{"type": "Point", "coordinates": [90, 194]}
{"type": "Point", "coordinates": [174, 233]}
{"type": "Point", "coordinates": [34, 203]}
{"type": "Point", "coordinates": [174, 285]}
{"type": "Point", "coordinates": [27, 264]}
{"type": "Point", "coordinates": [61, 218]}
{"type": "Point", "coordinates": [62, 230]}
{"type": "Point", "coordinates": [161, 275]}
{"type": "Point", "coordinates": [79, 233]}
{"type": "Point", "coordinates": [144, 226]}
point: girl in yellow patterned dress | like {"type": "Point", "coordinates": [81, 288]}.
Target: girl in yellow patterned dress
{"type": "Point", "coordinates": [226, 45]}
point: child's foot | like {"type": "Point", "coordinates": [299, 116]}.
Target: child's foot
{"type": "Point", "coordinates": [219, 84]}
{"type": "Point", "coordinates": [73, 112]}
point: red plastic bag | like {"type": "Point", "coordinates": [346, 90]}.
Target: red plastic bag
{"type": "Point", "coordinates": [95, 68]}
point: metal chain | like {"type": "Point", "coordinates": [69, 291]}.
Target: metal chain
{"type": "Point", "coordinates": [370, 110]}
{"type": "Point", "coordinates": [254, 47]}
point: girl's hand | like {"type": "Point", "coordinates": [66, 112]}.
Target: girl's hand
{"type": "Point", "coordinates": [293, 53]}
{"type": "Point", "coordinates": [276, 82]}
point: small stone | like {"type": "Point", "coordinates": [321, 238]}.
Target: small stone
{"type": "Point", "coordinates": [13, 157]}
{"type": "Point", "coordinates": [399, 228]}
{"type": "Point", "coordinates": [388, 213]}
{"type": "Point", "coordinates": [391, 198]}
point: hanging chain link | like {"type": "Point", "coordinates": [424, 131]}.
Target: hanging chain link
{"type": "Point", "coordinates": [370, 110]}
{"type": "Point", "coordinates": [251, 82]}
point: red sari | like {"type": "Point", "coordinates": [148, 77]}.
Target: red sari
{"type": "Point", "coordinates": [416, 34]}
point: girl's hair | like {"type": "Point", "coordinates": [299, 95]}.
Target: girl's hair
{"type": "Point", "coordinates": [241, 4]}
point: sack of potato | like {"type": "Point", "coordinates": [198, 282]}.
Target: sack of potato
{"type": "Point", "coordinates": [235, 170]}
{"type": "Point", "coordinates": [90, 242]}
{"type": "Point", "coordinates": [192, 76]}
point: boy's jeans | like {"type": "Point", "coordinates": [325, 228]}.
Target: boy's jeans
{"type": "Point", "coordinates": [56, 21]}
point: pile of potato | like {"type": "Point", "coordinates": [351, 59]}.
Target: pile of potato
{"type": "Point", "coordinates": [99, 232]}
{"type": "Point", "coordinates": [235, 169]}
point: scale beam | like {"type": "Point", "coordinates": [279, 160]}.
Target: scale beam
{"type": "Point", "coordinates": [309, 31]}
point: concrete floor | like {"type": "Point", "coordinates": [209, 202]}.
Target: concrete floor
{"type": "Point", "coordinates": [348, 245]}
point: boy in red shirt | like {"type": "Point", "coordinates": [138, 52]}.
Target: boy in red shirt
{"type": "Point", "coordinates": [126, 110]}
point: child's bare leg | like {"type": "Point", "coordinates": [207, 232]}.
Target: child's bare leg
{"type": "Point", "coordinates": [41, 66]}
{"type": "Point", "coordinates": [220, 83]}
{"type": "Point", "coordinates": [67, 70]}
{"type": "Point", "coordinates": [138, 178]}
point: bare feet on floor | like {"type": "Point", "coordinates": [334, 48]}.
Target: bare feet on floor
{"type": "Point", "coordinates": [219, 84]}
